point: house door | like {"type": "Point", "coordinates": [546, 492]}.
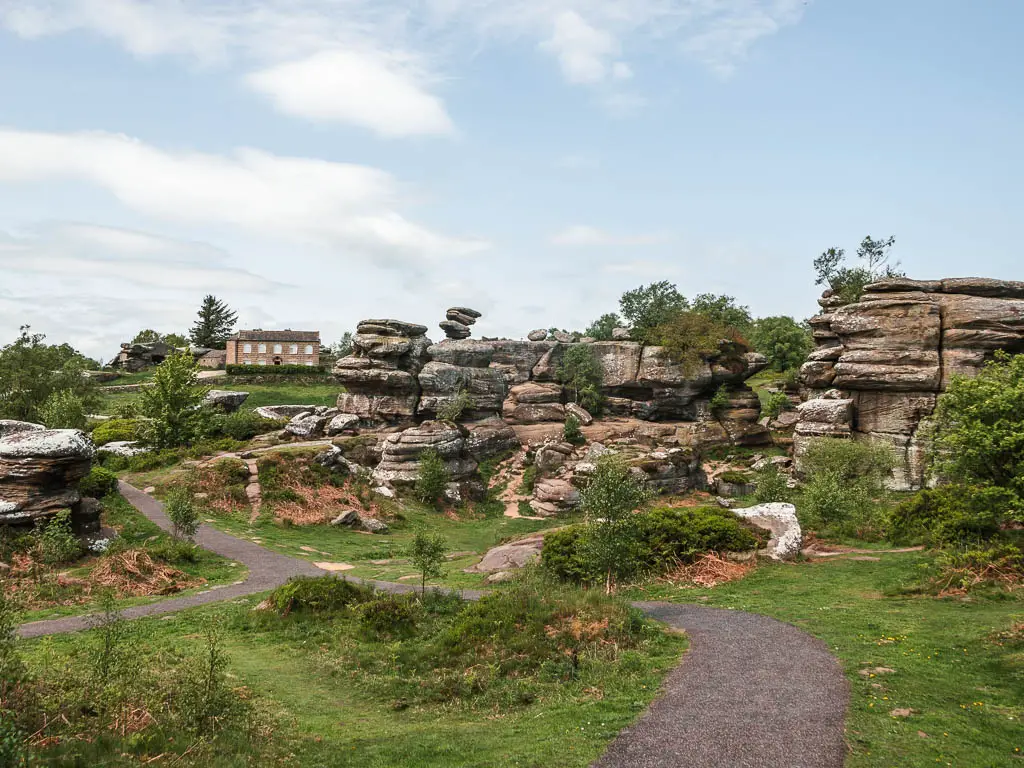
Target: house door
{"type": "Point", "coordinates": [277, 361]}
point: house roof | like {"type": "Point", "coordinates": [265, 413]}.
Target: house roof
{"type": "Point", "coordinates": [215, 353]}
{"type": "Point", "coordinates": [285, 335]}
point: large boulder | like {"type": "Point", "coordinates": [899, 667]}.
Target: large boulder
{"type": "Point", "coordinates": [282, 412]}
{"type": "Point", "coordinates": [553, 495]}
{"type": "Point", "coordinates": [534, 402]}
{"type": "Point", "coordinates": [225, 400]}
{"type": "Point", "coordinates": [401, 452]}
{"type": "Point", "coordinates": [39, 472]}
{"type": "Point", "coordinates": [510, 556]}
{"type": "Point", "coordinates": [490, 438]}
{"type": "Point", "coordinates": [780, 521]}
{"type": "Point", "coordinates": [441, 383]}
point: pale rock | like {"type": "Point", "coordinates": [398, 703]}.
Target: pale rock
{"type": "Point", "coordinates": [781, 521]}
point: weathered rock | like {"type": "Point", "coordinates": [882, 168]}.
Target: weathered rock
{"type": "Point", "coordinates": [538, 335]}
{"type": "Point", "coordinates": [391, 327]}
{"type": "Point", "coordinates": [39, 472]}
{"type": "Point", "coordinates": [534, 402]}
{"type": "Point", "coordinates": [582, 414]}
{"type": "Point", "coordinates": [282, 412]}
{"type": "Point", "coordinates": [490, 438]}
{"type": "Point", "coordinates": [563, 337]}
{"type": "Point", "coordinates": [400, 458]}
{"type": "Point", "coordinates": [780, 520]}
{"type": "Point", "coordinates": [460, 315]}
{"type": "Point", "coordinates": [348, 517]}
{"type": "Point", "coordinates": [454, 330]}
{"type": "Point", "coordinates": [620, 334]}
{"type": "Point", "coordinates": [441, 383]}
{"type": "Point", "coordinates": [343, 422]}
{"type": "Point", "coordinates": [670, 470]}
{"type": "Point", "coordinates": [510, 556]}
{"type": "Point", "coordinates": [225, 400]}
{"type": "Point", "coordinates": [11, 427]}
{"type": "Point", "coordinates": [464, 353]}
{"type": "Point", "coordinates": [124, 448]}
{"type": "Point", "coordinates": [551, 456]}
{"type": "Point", "coordinates": [373, 525]}
{"type": "Point", "coordinates": [554, 495]}
{"type": "Point", "coordinates": [307, 426]}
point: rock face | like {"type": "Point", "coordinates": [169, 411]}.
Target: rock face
{"type": "Point", "coordinates": [461, 368]}
{"type": "Point", "coordinates": [554, 495]}
{"type": "Point", "coordinates": [510, 556]}
{"type": "Point", "coordinates": [225, 400]}
{"type": "Point", "coordinates": [39, 472]}
{"type": "Point", "coordinates": [891, 354]}
{"type": "Point", "coordinates": [780, 520]}
{"type": "Point", "coordinates": [534, 402]}
{"type": "Point", "coordinates": [457, 321]}
{"type": "Point", "coordinates": [380, 374]}
{"type": "Point", "coordinates": [282, 412]}
{"type": "Point", "coordinates": [400, 459]}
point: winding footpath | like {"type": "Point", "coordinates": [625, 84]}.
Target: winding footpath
{"type": "Point", "coordinates": [752, 692]}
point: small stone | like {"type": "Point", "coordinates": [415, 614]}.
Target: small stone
{"type": "Point", "coordinates": [384, 491]}
{"type": "Point", "coordinates": [725, 503]}
{"type": "Point", "coordinates": [902, 712]}
{"type": "Point", "coordinates": [500, 577]}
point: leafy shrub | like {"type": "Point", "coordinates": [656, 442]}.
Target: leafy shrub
{"type": "Point", "coordinates": [529, 480]}
{"type": "Point", "coordinates": [581, 374]}
{"type": "Point", "coordinates": [173, 551]}
{"type": "Point", "coordinates": [204, 700]}
{"type": "Point", "coordinates": [572, 432]}
{"type": "Point", "coordinates": [117, 430]}
{"type": "Point", "coordinates": [240, 425]}
{"type": "Point", "coordinates": [454, 408]}
{"type": "Point", "coordinates": [720, 400]}
{"type": "Point", "coordinates": [58, 542]}
{"type": "Point", "coordinates": [321, 594]}
{"type": "Point", "coordinates": [691, 338]}
{"type": "Point", "coordinates": [98, 483]}
{"type": "Point", "coordinates": [182, 511]}
{"type": "Point", "coordinates": [63, 409]}
{"type": "Point", "coordinates": [785, 342]}
{"type": "Point", "coordinates": [736, 477]}
{"type": "Point", "coordinates": [172, 403]}
{"type": "Point", "coordinates": [775, 404]}
{"type": "Point", "coordinates": [772, 486]}
{"type": "Point", "coordinates": [388, 616]}
{"type": "Point", "coordinates": [951, 514]}
{"type": "Point", "coordinates": [963, 569]}
{"type": "Point", "coordinates": [431, 479]}
{"type": "Point", "coordinates": [277, 370]}
{"type": "Point", "coordinates": [650, 306]}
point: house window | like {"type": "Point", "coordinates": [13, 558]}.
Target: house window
{"type": "Point", "coordinates": [262, 361]}
{"type": "Point", "coordinates": [309, 349]}
{"type": "Point", "coordinates": [247, 361]}
{"type": "Point", "coordinates": [263, 349]}
{"type": "Point", "coordinates": [247, 348]}
{"type": "Point", "coordinates": [295, 349]}
{"type": "Point", "coordinates": [277, 349]}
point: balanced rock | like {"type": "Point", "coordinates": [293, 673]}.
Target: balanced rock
{"type": "Point", "coordinates": [538, 335]}
{"type": "Point", "coordinates": [39, 472]}
{"type": "Point", "coordinates": [454, 329]}
{"type": "Point", "coordinates": [456, 316]}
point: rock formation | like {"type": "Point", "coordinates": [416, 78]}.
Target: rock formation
{"type": "Point", "coordinates": [461, 368]}
{"type": "Point", "coordinates": [225, 400]}
{"type": "Point", "coordinates": [457, 321]}
{"type": "Point", "coordinates": [892, 353]}
{"type": "Point", "coordinates": [400, 460]}
{"type": "Point", "coordinates": [40, 470]}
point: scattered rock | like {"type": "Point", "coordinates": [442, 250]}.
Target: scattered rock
{"type": "Point", "coordinates": [282, 412]}
{"type": "Point", "coordinates": [307, 426]}
{"type": "Point", "coordinates": [225, 400]}
{"type": "Point", "coordinates": [581, 414]}
{"type": "Point", "coordinates": [347, 517]}
{"type": "Point", "coordinates": [510, 556]}
{"type": "Point", "coordinates": [901, 712]}
{"type": "Point", "coordinates": [500, 577]}
{"type": "Point", "coordinates": [373, 525]}
{"type": "Point", "coordinates": [334, 567]}
{"type": "Point", "coordinates": [343, 422]}
{"type": "Point", "coordinates": [384, 491]}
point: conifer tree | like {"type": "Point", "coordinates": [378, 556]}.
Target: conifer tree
{"type": "Point", "coordinates": [215, 324]}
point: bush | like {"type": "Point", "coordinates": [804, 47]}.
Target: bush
{"type": "Point", "coordinates": [529, 480]}
{"type": "Point", "coordinates": [276, 370]}
{"type": "Point", "coordinates": [775, 404]}
{"type": "Point", "coordinates": [388, 616]}
{"type": "Point", "coordinates": [454, 408]}
{"type": "Point", "coordinates": [63, 409]}
{"type": "Point", "coordinates": [952, 514]}
{"type": "Point", "coordinates": [431, 479]}
{"type": "Point", "coordinates": [181, 509]}
{"type": "Point", "coordinates": [690, 339]}
{"type": "Point", "coordinates": [581, 374]}
{"type": "Point", "coordinates": [58, 542]}
{"type": "Point", "coordinates": [117, 430]}
{"type": "Point", "coordinates": [172, 403]}
{"type": "Point", "coordinates": [240, 425]}
{"type": "Point", "coordinates": [98, 483]}
{"type": "Point", "coordinates": [772, 486]}
{"type": "Point", "coordinates": [785, 342]}
{"type": "Point", "coordinates": [322, 594]}
{"type": "Point", "coordinates": [571, 431]}
{"type": "Point", "coordinates": [964, 569]}
{"type": "Point", "coordinates": [173, 551]}
{"type": "Point", "coordinates": [735, 477]}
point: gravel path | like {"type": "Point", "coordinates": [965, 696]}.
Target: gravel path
{"type": "Point", "coordinates": [751, 692]}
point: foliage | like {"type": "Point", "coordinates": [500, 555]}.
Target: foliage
{"type": "Point", "coordinates": [581, 374]}
{"type": "Point", "coordinates": [775, 404]}
{"type": "Point", "coordinates": [240, 425]}
{"type": "Point", "coordinates": [529, 480]}
{"type": "Point", "coordinates": [98, 483]}
{"type": "Point", "coordinates": [663, 539]}
{"type": "Point", "coordinates": [214, 324]}
{"type": "Point", "coordinates": [57, 542]}
{"type": "Point", "coordinates": [724, 311]}
{"type": "Point", "coordinates": [172, 402]}
{"type": "Point", "coordinates": [388, 616]}
{"type": "Point", "coordinates": [601, 329]}
{"type": "Point", "coordinates": [322, 594]}
{"type": "Point", "coordinates": [847, 283]}
{"type": "Point", "coordinates": [182, 511]}
{"type": "Point", "coordinates": [431, 479]}
{"type": "Point", "coordinates": [455, 407]}
{"type": "Point", "coordinates": [690, 338]}
{"type": "Point", "coordinates": [63, 409]}
{"type": "Point", "coordinates": [426, 552]}
{"type": "Point", "coordinates": [976, 434]}
{"type": "Point", "coordinates": [969, 567]}
{"type": "Point", "coordinates": [204, 700]}
{"type": "Point", "coordinates": [609, 501]}
{"type": "Point", "coordinates": [772, 486]}
{"type": "Point", "coordinates": [149, 336]}
{"type": "Point", "coordinates": [31, 371]}
{"type": "Point", "coordinates": [274, 370]}
{"type": "Point", "coordinates": [952, 514]}
{"type": "Point", "coordinates": [735, 477]}
{"type": "Point", "coordinates": [844, 480]}
{"type": "Point", "coordinates": [117, 430]}
{"type": "Point", "coordinates": [650, 306]}
{"type": "Point", "coordinates": [785, 342]}
{"type": "Point", "coordinates": [344, 346]}
{"type": "Point", "coordinates": [571, 431]}
{"type": "Point", "coordinates": [720, 400]}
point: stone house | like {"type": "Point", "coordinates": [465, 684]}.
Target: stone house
{"type": "Point", "coordinates": [285, 347]}
{"type": "Point", "coordinates": [215, 358]}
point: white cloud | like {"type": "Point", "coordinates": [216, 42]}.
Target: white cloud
{"type": "Point", "coordinates": [583, 51]}
{"type": "Point", "coordinates": [346, 206]}
{"type": "Point", "coordinates": [582, 235]}
{"type": "Point", "coordinates": [357, 88]}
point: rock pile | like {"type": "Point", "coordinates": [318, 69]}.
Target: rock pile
{"type": "Point", "coordinates": [461, 369]}
{"type": "Point", "coordinates": [40, 470]}
{"type": "Point", "coordinates": [457, 321]}
{"type": "Point", "coordinates": [401, 452]}
{"type": "Point", "coordinates": [380, 374]}
{"type": "Point", "coordinates": [896, 349]}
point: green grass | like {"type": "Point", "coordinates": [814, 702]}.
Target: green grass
{"type": "Point", "coordinates": [129, 378]}
{"type": "Point", "coordinates": [136, 531]}
{"type": "Point", "coordinates": [967, 691]}
{"type": "Point", "coordinates": [330, 710]}
{"type": "Point", "coordinates": [259, 395]}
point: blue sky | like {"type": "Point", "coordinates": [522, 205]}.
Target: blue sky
{"type": "Point", "coordinates": [314, 162]}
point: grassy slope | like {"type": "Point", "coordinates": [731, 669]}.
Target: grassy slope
{"type": "Point", "coordinates": [259, 394]}
{"type": "Point", "coordinates": [967, 692]}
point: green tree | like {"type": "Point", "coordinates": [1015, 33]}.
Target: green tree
{"type": "Point", "coordinates": [426, 552]}
{"type": "Point", "coordinates": [63, 409]}
{"type": "Point", "coordinates": [172, 402]}
{"type": "Point", "coordinates": [785, 342]}
{"type": "Point", "coordinates": [690, 339]}
{"type": "Point", "coordinates": [848, 282]}
{"type": "Point", "coordinates": [724, 311]}
{"type": "Point", "coordinates": [175, 340]}
{"type": "Point", "coordinates": [431, 478]}
{"type": "Point", "coordinates": [214, 325]}
{"type": "Point", "coordinates": [581, 374]}
{"type": "Point", "coordinates": [649, 306]}
{"type": "Point", "coordinates": [182, 512]}
{"type": "Point", "coordinates": [610, 533]}
{"type": "Point", "coordinates": [601, 329]}
{"type": "Point", "coordinates": [344, 347]}
{"type": "Point", "coordinates": [147, 336]}
{"type": "Point", "coordinates": [976, 434]}
{"type": "Point", "coordinates": [31, 371]}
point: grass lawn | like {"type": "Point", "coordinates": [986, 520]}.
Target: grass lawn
{"type": "Point", "coordinates": [135, 531]}
{"type": "Point", "coordinates": [259, 394]}
{"type": "Point", "coordinates": [965, 689]}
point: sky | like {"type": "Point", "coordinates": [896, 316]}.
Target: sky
{"type": "Point", "coordinates": [317, 162]}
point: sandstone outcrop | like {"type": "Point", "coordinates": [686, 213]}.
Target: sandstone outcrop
{"type": "Point", "coordinates": [40, 470]}
{"type": "Point", "coordinates": [225, 400]}
{"type": "Point", "coordinates": [401, 452]}
{"type": "Point", "coordinates": [780, 521]}
{"type": "Point", "coordinates": [893, 352]}
{"type": "Point", "coordinates": [461, 368]}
